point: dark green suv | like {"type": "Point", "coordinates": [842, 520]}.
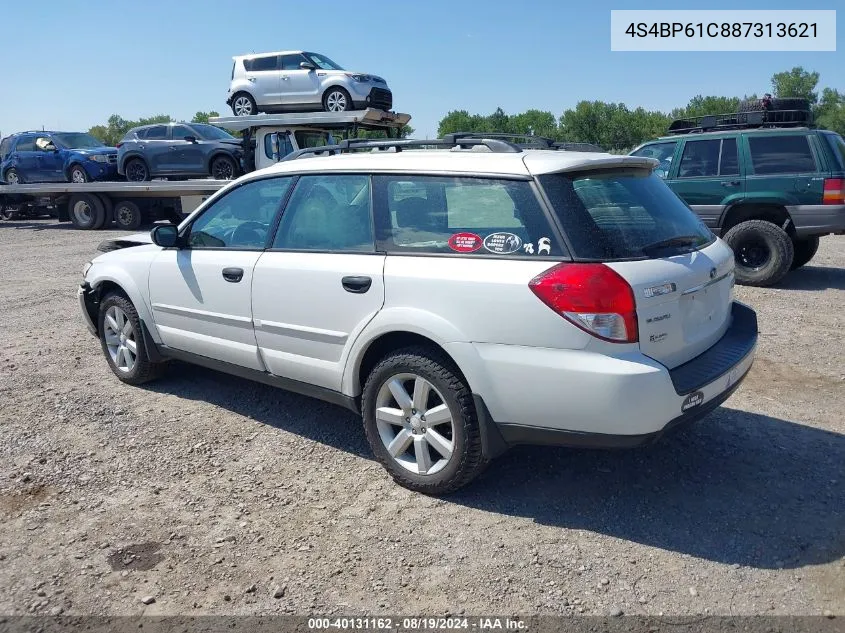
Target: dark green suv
{"type": "Point", "coordinates": [769, 189]}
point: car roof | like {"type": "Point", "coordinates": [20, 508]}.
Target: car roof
{"type": "Point", "coordinates": [524, 163]}
{"type": "Point", "coordinates": [250, 55]}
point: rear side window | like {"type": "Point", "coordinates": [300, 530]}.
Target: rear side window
{"type": "Point", "coordinates": [262, 63]}
{"type": "Point", "coordinates": [709, 157]}
{"type": "Point", "coordinates": [25, 144]}
{"type": "Point", "coordinates": [781, 154]}
{"type": "Point", "coordinates": [156, 133]}
{"type": "Point", "coordinates": [484, 216]}
{"type": "Point", "coordinates": [836, 143]}
{"type": "Point", "coordinates": [623, 214]}
{"type": "Point", "coordinates": [5, 147]}
{"type": "Point", "coordinates": [728, 160]}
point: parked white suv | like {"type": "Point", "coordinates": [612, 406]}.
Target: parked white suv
{"type": "Point", "coordinates": [289, 81]}
{"type": "Point", "coordinates": [463, 300]}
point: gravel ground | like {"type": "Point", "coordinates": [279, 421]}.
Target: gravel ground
{"type": "Point", "coordinates": [206, 494]}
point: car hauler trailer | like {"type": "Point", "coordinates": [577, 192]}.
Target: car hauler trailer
{"type": "Point", "coordinates": [127, 205]}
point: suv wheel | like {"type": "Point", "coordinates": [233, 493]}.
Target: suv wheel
{"type": "Point", "coordinates": [122, 343]}
{"type": "Point", "coordinates": [244, 105]}
{"type": "Point", "coordinates": [805, 250]}
{"type": "Point", "coordinates": [763, 252]}
{"type": "Point", "coordinates": [77, 174]}
{"type": "Point", "coordinates": [223, 168]}
{"type": "Point", "coordinates": [136, 170]}
{"type": "Point", "coordinates": [12, 177]}
{"type": "Point", "coordinates": [337, 100]}
{"type": "Point", "coordinates": [420, 421]}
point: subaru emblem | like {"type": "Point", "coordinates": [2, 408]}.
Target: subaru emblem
{"type": "Point", "coordinates": [712, 273]}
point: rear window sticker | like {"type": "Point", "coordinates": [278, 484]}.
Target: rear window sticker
{"type": "Point", "coordinates": [502, 243]}
{"type": "Point", "coordinates": [465, 242]}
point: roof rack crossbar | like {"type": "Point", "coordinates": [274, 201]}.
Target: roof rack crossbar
{"type": "Point", "coordinates": [494, 145]}
{"type": "Point", "coordinates": [535, 141]}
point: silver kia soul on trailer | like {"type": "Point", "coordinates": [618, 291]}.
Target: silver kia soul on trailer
{"type": "Point", "coordinates": [462, 298]}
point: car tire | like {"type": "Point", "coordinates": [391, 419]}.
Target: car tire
{"type": "Point", "coordinates": [791, 103]}
{"type": "Point", "coordinates": [450, 448]}
{"type": "Point", "coordinates": [336, 100]}
{"type": "Point", "coordinates": [223, 168]}
{"type": "Point", "coordinates": [12, 177]}
{"type": "Point", "coordinates": [136, 170]}
{"type": "Point", "coordinates": [77, 174]}
{"type": "Point", "coordinates": [86, 211]}
{"type": "Point", "coordinates": [123, 343]}
{"type": "Point", "coordinates": [244, 105]}
{"type": "Point", "coordinates": [127, 215]}
{"type": "Point", "coordinates": [762, 250]}
{"type": "Point", "coordinates": [805, 250]}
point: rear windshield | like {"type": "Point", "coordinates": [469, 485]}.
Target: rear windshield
{"type": "Point", "coordinates": [837, 144]}
{"type": "Point", "coordinates": [623, 214]}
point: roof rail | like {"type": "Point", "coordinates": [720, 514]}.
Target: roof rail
{"type": "Point", "coordinates": [493, 144]}
{"type": "Point", "coordinates": [742, 120]}
{"type": "Point", "coordinates": [532, 140]}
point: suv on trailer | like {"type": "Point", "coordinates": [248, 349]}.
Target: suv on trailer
{"type": "Point", "coordinates": [55, 157]}
{"type": "Point", "coordinates": [299, 81]}
{"type": "Point", "coordinates": [462, 301]}
{"type": "Point", "coordinates": [179, 149]}
{"type": "Point", "coordinates": [769, 187]}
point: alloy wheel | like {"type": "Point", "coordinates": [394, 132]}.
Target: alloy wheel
{"type": "Point", "coordinates": [415, 424]}
{"type": "Point", "coordinates": [120, 339]}
{"type": "Point", "coordinates": [222, 169]}
{"type": "Point", "coordinates": [78, 176]}
{"type": "Point", "coordinates": [336, 102]}
{"type": "Point", "coordinates": [136, 171]}
{"type": "Point", "coordinates": [12, 178]}
{"type": "Point", "coordinates": [242, 106]}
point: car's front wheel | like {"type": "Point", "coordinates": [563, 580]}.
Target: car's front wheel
{"type": "Point", "coordinates": [763, 252]}
{"type": "Point", "coordinates": [12, 177]}
{"type": "Point", "coordinates": [337, 100]}
{"type": "Point", "coordinates": [420, 421]}
{"type": "Point", "coordinates": [122, 342]}
{"type": "Point", "coordinates": [77, 174]}
{"type": "Point", "coordinates": [223, 168]}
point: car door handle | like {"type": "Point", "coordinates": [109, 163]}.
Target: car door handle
{"type": "Point", "coordinates": [357, 285]}
{"type": "Point", "coordinates": [731, 183]}
{"type": "Point", "coordinates": [285, 78]}
{"type": "Point", "coordinates": [233, 275]}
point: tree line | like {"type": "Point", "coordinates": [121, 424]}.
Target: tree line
{"type": "Point", "coordinates": [116, 127]}
{"type": "Point", "coordinates": [616, 127]}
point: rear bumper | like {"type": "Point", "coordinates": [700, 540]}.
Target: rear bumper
{"type": "Point", "coordinates": [576, 398]}
{"type": "Point", "coordinates": [817, 219]}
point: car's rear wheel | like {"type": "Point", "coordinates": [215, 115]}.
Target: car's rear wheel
{"type": "Point", "coordinates": [337, 100]}
{"type": "Point", "coordinates": [86, 211]}
{"type": "Point", "coordinates": [12, 177]}
{"type": "Point", "coordinates": [223, 168]}
{"type": "Point", "coordinates": [805, 250]}
{"type": "Point", "coordinates": [762, 250]}
{"type": "Point", "coordinates": [244, 105]}
{"type": "Point", "coordinates": [122, 341]}
{"type": "Point", "coordinates": [127, 215]}
{"type": "Point", "coordinates": [420, 421]}
{"type": "Point", "coordinates": [77, 174]}
{"type": "Point", "coordinates": [136, 170]}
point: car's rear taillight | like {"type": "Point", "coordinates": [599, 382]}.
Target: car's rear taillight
{"type": "Point", "coordinates": [834, 191]}
{"type": "Point", "coordinates": [592, 296]}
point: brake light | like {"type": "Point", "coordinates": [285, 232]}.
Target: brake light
{"type": "Point", "coordinates": [834, 191]}
{"type": "Point", "coordinates": [118, 145]}
{"type": "Point", "coordinates": [591, 296]}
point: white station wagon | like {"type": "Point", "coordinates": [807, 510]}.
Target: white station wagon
{"type": "Point", "coordinates": [463, 298]}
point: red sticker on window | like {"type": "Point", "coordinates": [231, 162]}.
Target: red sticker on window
{"type": "Point", "coordinates": [465, 242]}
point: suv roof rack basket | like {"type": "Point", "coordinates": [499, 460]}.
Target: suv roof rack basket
{"type": "Point", "coordinates": [741, 120]}
{"type": "Point", "coordinates": [353, 144]}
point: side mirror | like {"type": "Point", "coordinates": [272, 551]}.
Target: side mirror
{"type": "Point", "coordinates": [165, 235]}
{"type": "Point", "coordinates": [274, 145]}
{"type": "Point", "coordinates": [307, 66]}
{"type": "Point", "coordinates": [191, 139]}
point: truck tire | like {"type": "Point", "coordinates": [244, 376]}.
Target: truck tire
{"type": "Point", "coordinates": [86, 211]}
{"type": "Point", "coordinates": [805, 250]}
{"type": "Point", "coordinates": [123, 343]}
{"type": "Point", "coordinates": [127, 215]}
{"type": "Point", "coordinates": [763, 252]}
{"type": "Point", "coordinates": [405, 387]}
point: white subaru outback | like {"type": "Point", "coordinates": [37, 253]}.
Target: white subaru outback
{"type": "Point", "coordinates": [463, 298]}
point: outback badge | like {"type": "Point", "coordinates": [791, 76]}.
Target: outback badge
{"type": "Point", "coordinates": [662, 289]}
{"type": "Point", "coordinates": [692, 401]}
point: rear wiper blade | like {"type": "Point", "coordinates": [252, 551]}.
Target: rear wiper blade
{"type": "Point", "coordinates": [680, 240]}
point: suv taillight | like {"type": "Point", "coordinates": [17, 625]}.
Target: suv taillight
{"type": "Point", "coordinates": [591, 296]}
{"type": "Point", "coordinates": [834, 191]}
